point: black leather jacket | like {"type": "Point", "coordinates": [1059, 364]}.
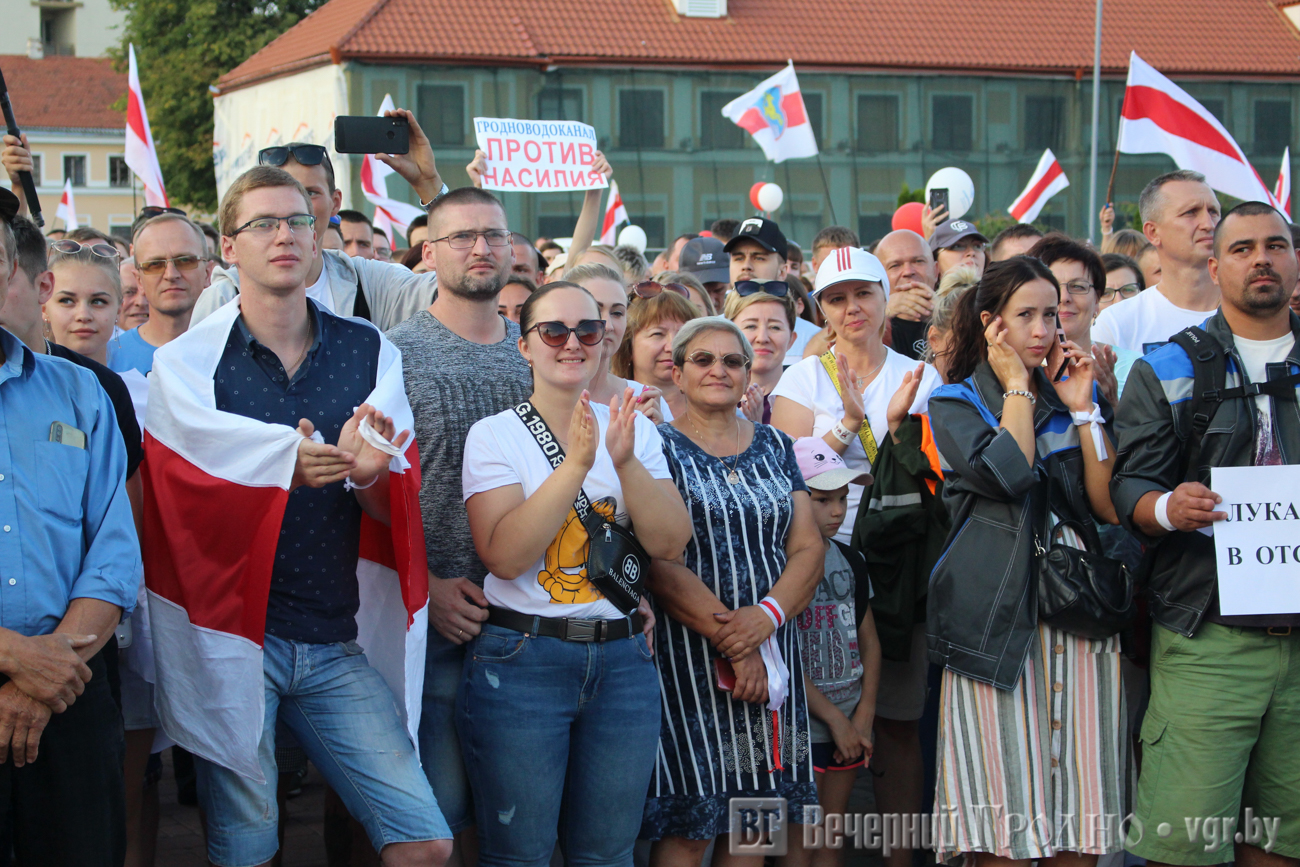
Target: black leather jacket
{"type": "Point", "coordinates": [1153, 424]}
{"type": "Point", "coordinates": [983, 605]}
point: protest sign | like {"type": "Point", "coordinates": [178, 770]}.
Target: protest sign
{"type": "Point", "coordinates": [537, 156]}
{"type": "Point", "coordinates": [1257, 548]}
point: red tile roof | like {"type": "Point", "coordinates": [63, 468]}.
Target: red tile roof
{"type": "Point", "coordinates": [1191, 37]}
{"type": "Point", "coordinates": [64, 92]}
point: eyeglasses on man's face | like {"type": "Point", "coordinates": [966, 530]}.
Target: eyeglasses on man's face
{"type": "Point", "coordinates": [265, 227]}
{"type": "Point", "coordinates": [466, 240]}
{"type": "Point", "coordinates": [153, 267]}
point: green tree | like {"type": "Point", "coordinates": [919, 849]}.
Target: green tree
{"type": "Point", "coordinates": [182, 47]}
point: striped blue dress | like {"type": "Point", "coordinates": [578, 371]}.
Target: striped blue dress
{"type": "Point", "coordinates": [711, 747]}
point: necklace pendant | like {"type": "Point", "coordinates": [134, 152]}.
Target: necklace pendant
{"type": "Point", "coordinates": [733, 478]}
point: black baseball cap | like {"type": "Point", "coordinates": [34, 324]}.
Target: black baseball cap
{"type": "Point", "coordinates": [766, 232]}
{"type": "Point", "coordinates": [9, 205]}
{"type": "Point", "coordinates": [706, 259]}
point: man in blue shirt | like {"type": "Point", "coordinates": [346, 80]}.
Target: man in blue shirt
{"type": "Point", "coordinates": [171, 257]}
{"type": "Point", "coordinates": [69, 568]}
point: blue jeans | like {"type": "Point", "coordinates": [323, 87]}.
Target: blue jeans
{"type": "Point", "coordinates": [558, 734]}
{"type": "Point", "coordinates": [344, 715]}
{"type": "Point", "coordinates": [440, 752]}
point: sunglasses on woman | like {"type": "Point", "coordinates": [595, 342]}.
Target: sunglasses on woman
{"type": "Point", "coordinates": [775, 288]}
{"type": "Point", "coordinates": [704, 359]}
{"type": "Point", "coordinates": [69, 247]}
{"type": "Point", "coordinates": [589, 332]}
{"type": "Point", "coordinates": [305, 155]}
{"type": "Point", "coordinates": [1128, 290]}
{"type": "Point", "coordinates": [650, 289]}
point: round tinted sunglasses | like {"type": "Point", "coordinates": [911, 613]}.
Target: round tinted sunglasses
{"type": "Point", "coordinates": [589, 332]}
{"type": "Point", "coordinates": [705, 359]}
{"type": "Point", "coordinates": [305, 155]}
{"type": "Point", "coordinates": [775, 288]}
{"type": "Point", "coordinates": [69, 247]}
{"type": "Point", "coordinates": [650, 289]}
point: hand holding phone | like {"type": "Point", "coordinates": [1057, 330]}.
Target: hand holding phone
{"type": "Point", "coordinates": [371, 135]}
{"type": "Point", "coordinates": [939, 199]}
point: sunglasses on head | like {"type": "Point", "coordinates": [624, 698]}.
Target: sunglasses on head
{"type": "Point", "coordinates": [148, 212]}
{"type": "Point", "coordinates": [705, 359]}
{"type": "Point", "coordinates": [305, 155]}
{"type": "Point", "coordinates": [69, 247]}
{"type": "Point", "coordinates": [589, 332]}
{"type": "Point", "coordinates": [650, 289]}
{"type": "Point", "coordinates": [775, 288]}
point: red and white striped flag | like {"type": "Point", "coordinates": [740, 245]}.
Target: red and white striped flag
{"type": "Point", "coordinates": [390, 214]}
{"type": "Point", "coordinates": [67, 210]}
{"type": "Point", "coordinates": [773, 113]}
{"type": "Point", "coordinates": [615, 214]}
{"type": "Point", "coordinates": [1047, 180]}
{"type": "Point", "coordinates": [215, 490]}
{"type": "Point", "coordinates": [1282, 192]}
{"type": "Point", "coordinates": [1159, 117]}
{"type": "Point", "coordinates": [141, 155]}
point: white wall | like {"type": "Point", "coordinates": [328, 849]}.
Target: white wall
{"type": "Point", "coordinates": [95, 26]}
{"type": "Point", "coordinates": [299, 107]}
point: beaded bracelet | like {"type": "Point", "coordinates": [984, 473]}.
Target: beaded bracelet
{"type": "Point", "coordinates": [1029, 394]}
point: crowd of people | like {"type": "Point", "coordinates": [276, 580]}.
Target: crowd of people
{"type": "Point", "coordinates": [525, 544]}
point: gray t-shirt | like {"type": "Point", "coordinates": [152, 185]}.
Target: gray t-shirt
{"type": "Point", "coordinates": [828, 635]}
{"type": "Point", "coordinates": [451, 383]}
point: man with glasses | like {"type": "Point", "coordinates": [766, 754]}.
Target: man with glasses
{"type": "Point", "coordinates": [173, 268]}
{"type": "Point", "coordinates": [383, 292]}
{"type": "Point", "coordinates": [462, 364]}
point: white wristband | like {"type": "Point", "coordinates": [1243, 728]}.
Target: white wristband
{"type": "Point", "coordinates": [841, 433]}
{"type": "Point", "coordinates": [772, 609]}
{"type": "Point", "coordinates": [1093, 419]}
{"type": "Point", "coordinates": [1162, 512]}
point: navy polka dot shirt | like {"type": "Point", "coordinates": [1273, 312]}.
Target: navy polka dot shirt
{"type": "Point", "coordinates": [314, 579]}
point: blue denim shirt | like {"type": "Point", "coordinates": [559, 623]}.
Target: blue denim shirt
{"type": "Point", "coordinates": [66, 530]}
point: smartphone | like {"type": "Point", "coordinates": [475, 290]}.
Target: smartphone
{"type": "Point", "coordinates": [724, 675]}
{"type": "Point", "coordinates": [1065, 361]}
{"type": "Point", "coordinates": [371, 135]}
{"type": "Point", "coordinates": [67, 435]}
{"type": "Point", "coordinates": [938, 199]}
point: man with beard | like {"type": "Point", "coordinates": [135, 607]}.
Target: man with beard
{"type": "Point", "coordinates": [1220, 733]}
{"type": "Point", "coordinates": [462, 363]}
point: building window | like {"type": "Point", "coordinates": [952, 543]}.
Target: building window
{"type": "Point", "coordinates": [877, 123]}
{"type": "Point", "coordinates": [1044, 122]}
{"type": "Point", "coordinates": [37, 177]}
{"type": "Point", "coordinates": [559, 103]}
{"type": "Point", "coordinates": [716, 131]}
{"type": "Point", "coordinates": [441, 110]}
{"type": "Point", "coordinates": [641, 119]}
{"type": "Point", "coordinates": [119, 175]}
{"type": "Point", "coordinates": [1214, 107]}
{"type": "Point", "coordinates": [1272, 126]}
{"type": "Point", "coordinates": [951, 122]}
{"type": "Point", "coordinates": [873, 227]}
{"type": "Point", "coordinates": [812, 106]}
{"type": "Point", "coordinates": [74, 169]}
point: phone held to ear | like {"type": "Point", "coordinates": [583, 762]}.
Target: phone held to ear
{"type": "Point", "coordinates": [1065, 361]}
{"type": "Point", "coordinates": [371, 135]}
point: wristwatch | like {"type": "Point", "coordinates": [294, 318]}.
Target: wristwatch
{"type": "Point", "coordinates": [441, 193]}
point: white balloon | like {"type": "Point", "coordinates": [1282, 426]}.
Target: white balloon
{"type": "Point", "coordinates": [961, 190]}
{"type": "Point", "coordinates": [633, 236]}
{"type": "Point", "coordinates": [770, 197]}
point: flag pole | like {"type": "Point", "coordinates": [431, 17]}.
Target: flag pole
{"type": "Point", "coordinates": [827, 187]}
{"type": "Point", "coordinates": [1110, 187]}
{"type": "Point", "coordinates": [1096, 117]}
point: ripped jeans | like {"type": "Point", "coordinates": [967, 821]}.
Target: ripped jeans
{"type": "Point", "coordinates": [558, 737]}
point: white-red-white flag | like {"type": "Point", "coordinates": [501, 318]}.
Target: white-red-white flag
{"type": "Point", "coordinates": [67, 210]}
{"type": "Point", "coordinates": [1048, 180]}
{"type": "Point", "coordinates": [773, 113]}
{"type": "Point", "coordinates": [615, 214]}
{"type": "Point", "coordinates": [1282, 191]}
{"type": "Point", "coordinates": [390, 215]}
{"type": "Point", "coordinates": [1159, 117]}
{"type": "Point", "coordinates": [215, 491]}
{"type": "Point", "coordinates": [141, 155]}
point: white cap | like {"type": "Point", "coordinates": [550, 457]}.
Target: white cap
{"type": "Point", "coordinates": [850, 263]}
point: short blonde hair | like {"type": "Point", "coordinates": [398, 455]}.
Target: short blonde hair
{"type": "Point", "coordinates": [256, 178]}
{"type": "Point", "coordinates": [737, 303]}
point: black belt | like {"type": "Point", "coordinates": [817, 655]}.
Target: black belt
{"type": "Point", "coordinates": [566, 628]}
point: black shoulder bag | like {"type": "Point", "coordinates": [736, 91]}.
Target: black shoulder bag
{"type": "Point", "coordinates": [616, 562]}
{"type": "Point", "coordinates": [1083, 593]}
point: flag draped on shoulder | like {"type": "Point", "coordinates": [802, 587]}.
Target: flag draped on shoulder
{"type": "Point", "coordinates": [391, 216]}
{"type": "Point", "coordinates": [1159, 117]}
{"type": "Point", "coordinates": [215, 489]}
{"type": "Point", "coordinates": [1048, 180]}
{"type": "Point", "coordinates": [615, 214]}
{"type": "Point", "coordinates": [773, 113]}
{"type": "Point", "coordinates": [141, 155]}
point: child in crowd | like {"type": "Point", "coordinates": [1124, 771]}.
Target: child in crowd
{"type": "Point", "coordinates": [841, 653]}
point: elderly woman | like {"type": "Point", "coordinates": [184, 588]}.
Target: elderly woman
{"type": "Point", "coordinates": [559, 702]}
{"type": "Point", "coordinates": [657, 311]}
{"type": "Point", "coordinates": [768, 322]}
{"type": "Point", "coordinates": [735, 716]}
{"type": "Point", "coordinates": [82, 312]}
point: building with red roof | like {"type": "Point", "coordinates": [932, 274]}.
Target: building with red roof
{"type": "Point", "coordinates": [895, 89]}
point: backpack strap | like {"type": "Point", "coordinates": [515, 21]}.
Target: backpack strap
{"type": "Point", "coordinates": [1209, 375]}
{"type": "Point", "coordinates": [861, 580]}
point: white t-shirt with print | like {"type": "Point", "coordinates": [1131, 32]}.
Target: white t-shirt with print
{"type": "Point", "coordinates": [1148, 319]}
{"type": "Point", "coordinates": [809, 385]}
{"type": "Point", "coordinates": [500, 452]}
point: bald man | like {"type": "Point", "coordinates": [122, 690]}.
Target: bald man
{"type": "Point", "coordinates": [912, 277]}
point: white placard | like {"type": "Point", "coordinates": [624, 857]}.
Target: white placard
{"type": "Point", "coordinates": [537, 156]}
{"type": "Point", "coordinates": [1257, 548]}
